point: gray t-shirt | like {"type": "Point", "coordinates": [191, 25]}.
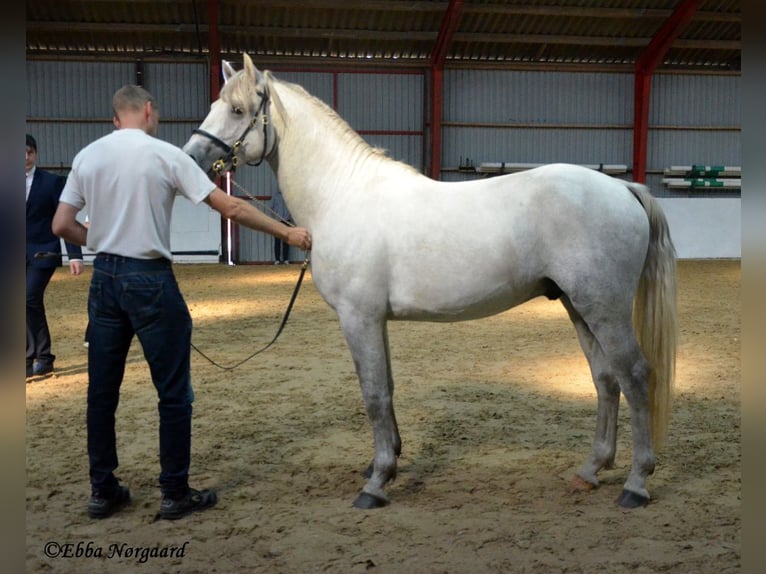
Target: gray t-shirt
{"type": "Point", "coordinates": [128, 181]}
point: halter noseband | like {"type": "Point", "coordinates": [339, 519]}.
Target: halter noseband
{"type": "Point", "coordinates": [230, 151]}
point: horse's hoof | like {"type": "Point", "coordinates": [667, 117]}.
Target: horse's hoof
{"type": "Point", "coordinates": [367, 501]}
{"type": "Point", "coordinates": [629, 499]}
{"type": "Point", "coordinates": [579, 484]}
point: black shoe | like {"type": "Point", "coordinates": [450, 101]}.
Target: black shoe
{"type": "Point", "coordinates": [30, 370]}
{"type": "Point", "coordinates": [101, 507]}
{"type": "Point", "coordinates": [194, 501]}
{"type": "Point", "coordinates": [42, 369]}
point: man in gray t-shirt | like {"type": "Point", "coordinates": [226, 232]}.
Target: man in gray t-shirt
{"type": "Point", "coordinates": [128, 180]}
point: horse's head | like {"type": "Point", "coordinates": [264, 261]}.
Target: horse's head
{"type": "Point", "coordinates": [237, 128]}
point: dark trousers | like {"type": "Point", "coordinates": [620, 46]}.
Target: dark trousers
{"type": "Point", "coordinates": [138, 297]}
{"type": "Point", "coordinates": [281, 250]}
{"type": "Point", "coordinates": [38, 335]}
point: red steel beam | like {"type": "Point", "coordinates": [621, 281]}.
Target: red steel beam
{"type": "Point", "coordinates": [438, 56]}
{"type": "Point", "coordinates": [216, 80]}
{"type": "Point", "coordinates": [446, 32]}
{"type": "Point", "coordinates": [214, 50]}
{"type": "Point", "coordinates": [646, 63]}
{"type": "Point", "coordinates": [437, 89]}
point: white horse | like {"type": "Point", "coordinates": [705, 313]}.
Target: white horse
{"type": "Point", "coordinates": [392, 244]}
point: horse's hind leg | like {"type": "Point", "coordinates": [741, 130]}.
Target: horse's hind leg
{"type": "Point", "coordinates": [621, 360]}
{"type": "Point", "coordinates": [608, 390]}
{"type": "Point", "coordinates": [367, 340]}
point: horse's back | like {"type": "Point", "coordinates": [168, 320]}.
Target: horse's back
{"type": "Point", "coordinates": [588, 208]}
{"type": "Point", "coordinates": [553, 213]}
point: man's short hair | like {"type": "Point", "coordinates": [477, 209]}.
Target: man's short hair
{"type": "Point", "coordinates": [131, 97]}
{"type": "Point", "coordinates": [31, 143]}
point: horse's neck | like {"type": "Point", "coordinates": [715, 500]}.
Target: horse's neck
{"type": "Point", "coordinates": [319, 162]}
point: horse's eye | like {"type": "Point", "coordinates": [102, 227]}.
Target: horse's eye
{"type": "Point", "coordinates": [236, 110]}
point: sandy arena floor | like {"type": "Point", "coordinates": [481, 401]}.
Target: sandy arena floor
{"type": "Point", "coordinates": [495, 416]}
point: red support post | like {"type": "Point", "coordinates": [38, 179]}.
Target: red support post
{"type": "Point", "coordinates": [646, 63]}
{"type": "Point", "coordinates": [438, 56]}
{"type": "Point", "coordinates": [643, 83]}
{"type": "Point", "coordinates": [437, 90]}
{"type": "Point", "coordinates": [216, 79]}
{"type": "Point", "coordinates": [214, 50]}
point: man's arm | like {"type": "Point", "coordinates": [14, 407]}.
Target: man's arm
{"type": "Point", "coordinates": [245, 214]}
{"type": "Point", "coordinates": [66, 226]}
{"type": "Point", "coordinates": [72, 249]}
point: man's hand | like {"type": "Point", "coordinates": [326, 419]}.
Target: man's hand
{"type": "Point", "coordinates": [75, 267]}
{"type": "Point", "coordinates": [299, 237]}
{"type": "Point", "coordinates": [240, 211]}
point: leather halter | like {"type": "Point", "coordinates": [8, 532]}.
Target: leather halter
{"type": "Point", "coordinates": [230, 151]}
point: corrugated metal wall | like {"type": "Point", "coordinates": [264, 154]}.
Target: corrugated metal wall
{"type": "Point", "coordinates": [69, 104]}
{"type": "Point", "coordinates": [537, 97]}
{"type": "Point", "coordinates": [488, 116]}
{"type": "Point", "coordinates": [535, 117]}
{"type": "Point", "coordinates": [578, 117]}
{"type": "Point", "coordinates": [694, 120]}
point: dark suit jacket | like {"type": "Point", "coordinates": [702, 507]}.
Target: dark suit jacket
{"type": "Point", "coordinates": [41, 206]}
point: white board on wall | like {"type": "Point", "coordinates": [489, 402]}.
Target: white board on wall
{"type": "Point", "coordinates": [705, 227]}
{"type": "Point", "coordinates": [195, 231]}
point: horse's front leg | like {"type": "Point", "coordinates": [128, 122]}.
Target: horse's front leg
{"type": "Point", "coordinates": [367, 339]}
{"type": "Point", "coordinates": [397, 441]}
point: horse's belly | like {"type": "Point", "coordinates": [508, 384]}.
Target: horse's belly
{"type": "Point", "coordinates": [449, 302]}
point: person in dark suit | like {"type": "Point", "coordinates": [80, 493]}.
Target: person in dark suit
{"type": "Point", "coordinates": [43, 191]}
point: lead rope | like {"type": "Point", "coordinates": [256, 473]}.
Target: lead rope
{"type": "Point", "coordinates": [287, 311]}
{"type": "Point", "coordinates": [279, 331]}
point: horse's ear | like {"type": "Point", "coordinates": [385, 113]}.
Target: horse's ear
{"type": "Point", "coordinates": [227, 71]}
{"type": "Point", "coordinates": [254, 75]}
{"type": "Point", "coordinates": [250, 70]}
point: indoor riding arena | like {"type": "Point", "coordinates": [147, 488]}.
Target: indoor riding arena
{"type": "Point", "coordinates": [497, 414]}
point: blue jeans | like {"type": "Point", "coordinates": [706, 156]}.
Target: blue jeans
{"type": "Point", "coordinates": [137, 296]}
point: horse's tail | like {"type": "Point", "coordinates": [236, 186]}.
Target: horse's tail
{"type": "Point", "coordinates": [655, 315]}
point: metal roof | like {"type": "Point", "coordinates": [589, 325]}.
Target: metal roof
{"type": "Point", "coordinates": [590, 33]}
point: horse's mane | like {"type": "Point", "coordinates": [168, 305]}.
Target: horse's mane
{"type": "Point", "coordinates": [356, 143]}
